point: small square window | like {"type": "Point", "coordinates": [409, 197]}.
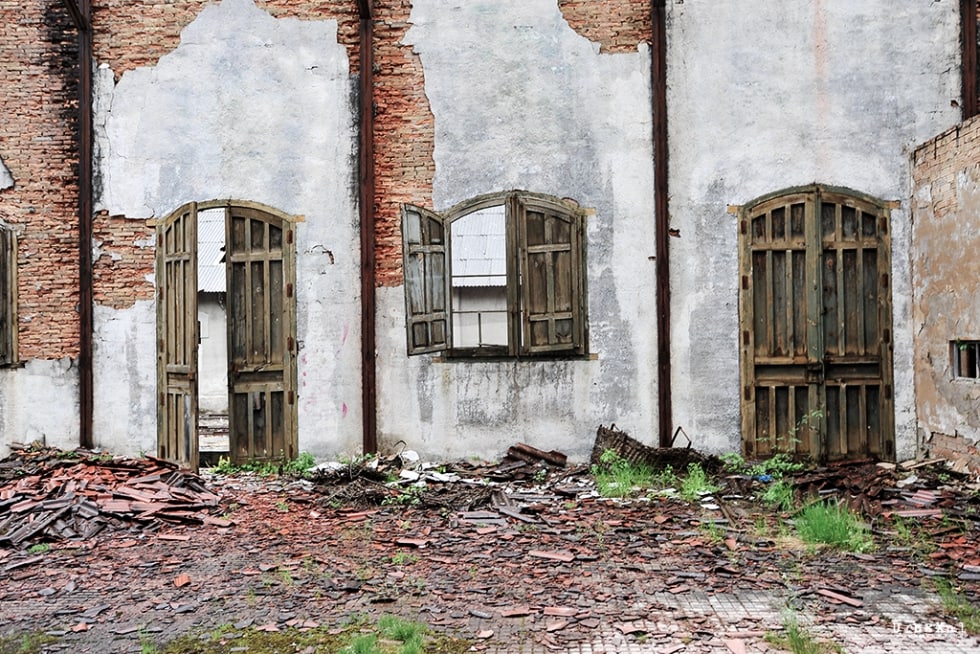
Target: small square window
{"type": "Point", "coordinates": [965, 359]}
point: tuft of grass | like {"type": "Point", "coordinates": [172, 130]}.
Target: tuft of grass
{"type": "Point", "coordinates": [696, 483]}
{"type": "Point", "coordinates": [833, 524]}
{"type": "Point", "coordinates": [617, 477]}
{"type": "Point", "coordinates": [799, 641]}
{"type": "Point", "coordinates": [297, 467]}
{"type": "Point", "coordinates": [33, 643]}
{"type": "Point", "coordinates": [779, 494]}
{"type": "Point", "coordinates": [959, 607]}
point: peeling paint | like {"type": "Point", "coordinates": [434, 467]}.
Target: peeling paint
{"type": "Point", "coordinates": [6, 177]}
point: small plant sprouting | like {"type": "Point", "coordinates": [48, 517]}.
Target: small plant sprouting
{"type": "Point", "coordinates": [833, 524]}
{"type": "Point", "coordinates": [403, 558]}
{"type": "Point", "coordinates": [696, 483]}
{"type": "Point", "coordinates": [39, 548]}
{"type": "Point", "coordinates": [617, 477]}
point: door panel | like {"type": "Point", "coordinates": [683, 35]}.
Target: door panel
{"type": "Point", "coordinates": [177, 337]}
{"type": "Point", "coordinates": [814, 315]}
{"type": "Point", "coordinates": [261, 336]}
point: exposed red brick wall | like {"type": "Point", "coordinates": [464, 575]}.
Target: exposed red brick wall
{"type": "Point", "coordinates": [944, 288]}
{"type": "Point", "coordinates": [962, 455]}
{"type": "Point", "coordinates": [118, 281]}
{"type": "Point", "coordinates": [617, 25]}
{"type": "Point", "coordinates": [38, 144]}
{"type": "Point", "coordinates": [404, 135]}
{"type": "Point", "coordinates": [131, 34]}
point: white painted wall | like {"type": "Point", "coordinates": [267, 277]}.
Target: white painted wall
{"type": "Point", "coordinates": [212, 356]}
{"type": "Point", "coordinates": [248, 107]}
{"type": "Point", "coordinates": [768, 95]}
{"type": "Point", "coordinates": [522, 101]}
{"type": "Point", "coordinates": [39, 402]}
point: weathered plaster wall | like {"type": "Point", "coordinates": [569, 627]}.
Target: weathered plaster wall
{"type": "Point", "coordinates": [247, 107]}
{"type": "Point", "coordinates": [39, 198]}
{"type": "Point", "coordinates": [520, 100]}
{"type": "Point", "coordinates": [946, 296]}
{"type": "Point", "coordinates": [782, 94]}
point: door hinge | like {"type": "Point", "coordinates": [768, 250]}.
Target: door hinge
{"type": "Point", "coordinates": [290, 398]}
{"type": "Point", "coordinates": [289, 290]}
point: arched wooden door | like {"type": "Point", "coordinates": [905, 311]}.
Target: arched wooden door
{"type": "Point", "coordinates": [260, 259]}
{"type": "Point", "coordinates": [815, 324]}
{"type": "Point", "coordinates": [261, 324]}
{"type": "Point", "coordinates": [177, 336]}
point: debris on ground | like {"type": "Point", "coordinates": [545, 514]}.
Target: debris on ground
{"type": "Point", "coordinates": [52, 495]}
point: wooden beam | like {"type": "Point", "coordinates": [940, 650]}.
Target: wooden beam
{"type": "Point", "coordinates": [80, 14]}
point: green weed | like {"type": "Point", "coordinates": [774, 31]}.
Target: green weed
{"type": "Point", "coordinates": [696, 483]}
{"type": "Point", "coordinates": [617, 477]}
{"type": "Point", "coordinates": [835, 525]}
{"type": "Point", "coordinates": [403, 558]}
{"type": "Point", "coordinates": [959, 607]}
{"type": "Point", "coordinates": [799, 641]}
{"type": "Point", "coordinates": [780, 495]}
{"type": "Point", "coordinates": [39, 548]}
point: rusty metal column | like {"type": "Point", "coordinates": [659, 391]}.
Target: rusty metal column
{"type": "Point", "coordinates": [81, 12]}
{"type": "Point", "coordinates": [968, 32]}
{"type": "Point", "coordinates": [369, 401]}
{"type": "Point", "coordinates": [658, 74]}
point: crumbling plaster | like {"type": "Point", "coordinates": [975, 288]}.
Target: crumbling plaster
{"type": "Point", "coordinates": [522, 101]}
{"type": "Point", "coordinates": [6, 177]}
{"type": "Point", "coordinates": [788, 94]}
{"type": "Point", "coordinates": [947, 297]}
{"type": "Point", "coordinates": [248, 107]}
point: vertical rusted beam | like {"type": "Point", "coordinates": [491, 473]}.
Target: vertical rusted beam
{"type": "Point", "coordinates": [968, 30]}
{"type": "Point", "coordinates": [369, 420]}
{"type": "Point", "coordinates": [658, 73]}
{"type": "Point", "coordinates": [81, 11]}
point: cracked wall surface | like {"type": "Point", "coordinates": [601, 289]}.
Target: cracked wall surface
{"type": "Point", "coordinates": [946, 297]}
{"type": "Point", "coordinates": [832, 93]}
{"type": "Point", "coordinates": [246, 106]}
{"type": "Point", "coordinates": [520, 100]}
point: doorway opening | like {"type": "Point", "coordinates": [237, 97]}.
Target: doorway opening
{"type": "Point", "coordinates": [226, 323]}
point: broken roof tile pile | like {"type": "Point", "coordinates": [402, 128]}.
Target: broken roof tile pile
{"type": "Point", "coordinates": [51, 495]}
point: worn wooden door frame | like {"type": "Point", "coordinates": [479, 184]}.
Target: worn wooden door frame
{"type": "Point", "coordinates": [177, 336]}
{"type": "Point", "coordinates": [260, 256]}
{"type": "Point", "coordinates": [827, 397]}
{"type": "Point", "coordinates": [178, 331]}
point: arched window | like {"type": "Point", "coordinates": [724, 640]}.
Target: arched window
{"type": "Point", "coordinates": [498, 275]}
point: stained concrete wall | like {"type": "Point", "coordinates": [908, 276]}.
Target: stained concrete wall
{"type": "Point", "coordinates": [520, 100]}
{"type": "Point", "coordinates": [247, 107]}
{"type": "Point", "coordinates": [946, 296]}
{"type": "Point", "coordinates": [765, 96]}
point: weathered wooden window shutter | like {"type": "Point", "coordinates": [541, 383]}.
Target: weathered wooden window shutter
{"type": "Point", "coordinates": [8, 296]}
{"type": "Point", "coordinates": [426, 280]}
{"type": "Point", "coordinates": [551, 293]}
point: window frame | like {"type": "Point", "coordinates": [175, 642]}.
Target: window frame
{"type": "Point", "coordinates": [545, 242]}
{"type": "Point", "coordinates": [9, 355]}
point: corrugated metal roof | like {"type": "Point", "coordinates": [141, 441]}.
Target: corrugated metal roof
{"type": "Point", "coordinates": [211, 251]}
{"type": "Point", "coordinates": [479, 245]}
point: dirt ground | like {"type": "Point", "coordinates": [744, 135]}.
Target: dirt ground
{"type": "Point", "coordinates": [534, 562]}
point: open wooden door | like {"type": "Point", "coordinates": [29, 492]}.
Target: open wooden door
{"type": "Point", "coordinates": [815, 322]}
{"type": "Point", "coordinates": [260, 261]}
{"type": "Point", "coordinates": [177, 336]}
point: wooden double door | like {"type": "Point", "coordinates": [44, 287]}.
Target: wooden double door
{"type": "Point", "coordinates": [261, 333]}
{"type": "Point", "coordinates": [815, 325]}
